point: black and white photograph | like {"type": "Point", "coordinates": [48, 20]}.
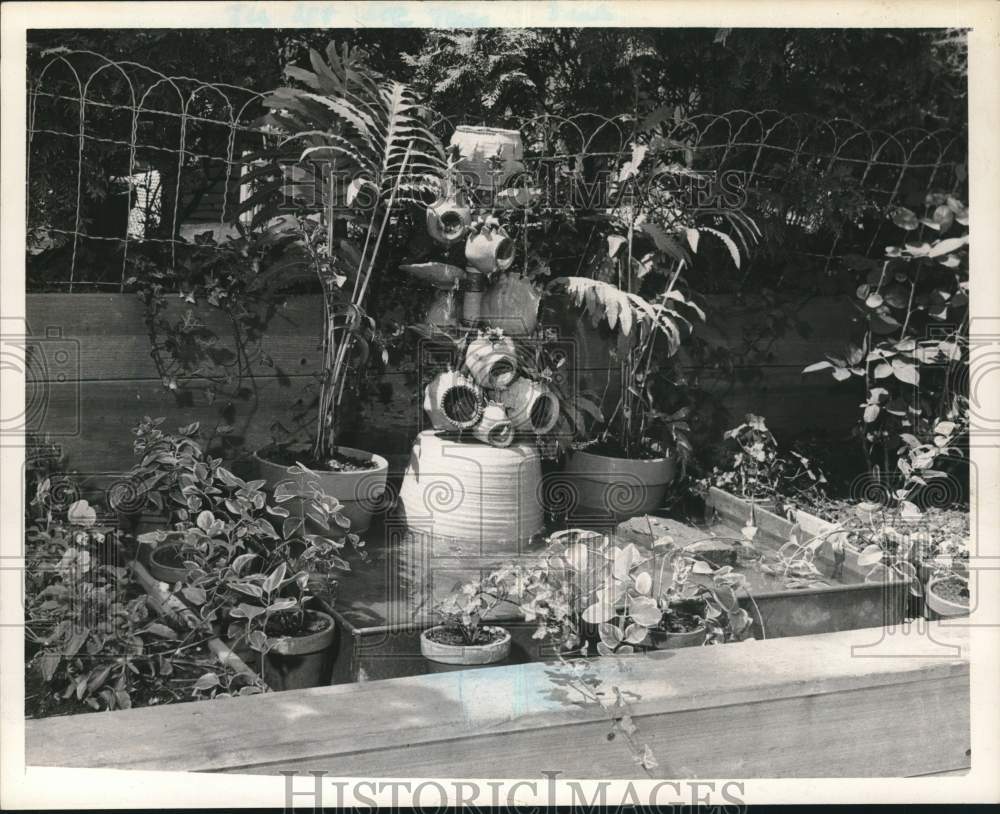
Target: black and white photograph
{"type": "Point", "coordinates": [455, 404]}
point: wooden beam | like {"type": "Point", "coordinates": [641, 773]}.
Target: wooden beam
{"type": "Point", "coordinates": [808, 706]}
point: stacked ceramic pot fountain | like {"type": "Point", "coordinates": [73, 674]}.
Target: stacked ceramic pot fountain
{"type": "Point", "coordinates": [470, 494]}
{"type": "Point", "coordinates": [473, 479]}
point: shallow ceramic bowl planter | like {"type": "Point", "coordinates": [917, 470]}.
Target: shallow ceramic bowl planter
{"type": "Point", "coordinates": [603, 486]}
{"type": "Point", "coordinates": [944, 606]}
{"type": "Point", "coordinates": [296, 662]}
{"type": "Point", "coordinates": [361, 491]}
{"type": "Point", "coordinates": [461, 655]}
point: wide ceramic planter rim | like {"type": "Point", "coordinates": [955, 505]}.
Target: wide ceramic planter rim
{"type": "Point", "coordinates": [351, 452]}
{"type": "Point", "coordinates": [466, 655]}
{"type": "Point", "coordinates": [304, 645]}
{"type": "Point", "coordinates": [360, 492]}
{"type": "Point", "coordinates": [940, 605]}
{"type": "Point", "coordinates": [614, 463]}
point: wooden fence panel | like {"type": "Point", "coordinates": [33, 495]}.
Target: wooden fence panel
{"type": "Point", "coordinates": [89, 404]}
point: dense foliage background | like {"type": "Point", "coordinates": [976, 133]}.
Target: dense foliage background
{"type": "Point", "coordinates": [883, 78]}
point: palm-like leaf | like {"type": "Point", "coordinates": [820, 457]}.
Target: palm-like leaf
{"type": "Point", "coordinates": [350, 121]}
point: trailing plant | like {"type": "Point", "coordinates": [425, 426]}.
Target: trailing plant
{"type": "Point", "coordinates": [352, 146]}
{"type": "Point", "coordinates": [94, 638]}
{"type": "Point", "coordinates": [755, 469]}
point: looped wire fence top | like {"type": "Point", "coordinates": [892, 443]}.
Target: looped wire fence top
{"type": "Point", "coordinates": [121, 155]}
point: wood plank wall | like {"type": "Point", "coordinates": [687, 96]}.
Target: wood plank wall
{"type": "Point", "coordinates": [98, 378]}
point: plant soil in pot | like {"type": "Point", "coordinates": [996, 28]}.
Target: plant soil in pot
{"type": "Point", "coordinates": [603, 485]}
{"type": "Point", "coordinates": [296, 662]}
{"type": "Point", "coordinates": [678, 631]}
{"type": "Point", "coordinates": [355, 477]}
{"type": "Point", "coordinates": [948, 596]}
{"type": "Point", "coordinates": [443, 645]}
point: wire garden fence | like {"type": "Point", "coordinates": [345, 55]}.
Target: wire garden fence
{"type": "Point", "coordinates": [123, 159]}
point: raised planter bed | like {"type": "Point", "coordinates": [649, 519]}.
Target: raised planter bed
{"type": "Point", "coordinates": [796, 707]}
{"type": "Point", "coordinates": [846, 602]}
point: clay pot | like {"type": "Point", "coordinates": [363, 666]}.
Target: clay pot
{"type": "Point", "coordinates": [158, 567]}
{"type": "Point", "coordinates": [360, 492]}
{"type": "Point", "coordinates": [439, 275]}
{"type": "Point", "coordinates": [941, 606]}
{"type": "Point", "coordinates": [489, 249]}
{"type": "Point", "coordinates": [466, 655]}
{"type": "Point", "coordinates": [661, 640]}
{"type": "Point", "coordinates": [494, 428]}
{"type": "Point", "coordinates": [617, 487]}
{"type": "Point", "coordinates": [448, 221]}
{"type": "Point", "coordinates": [443, 311]}
{"type": "Point", "coordinates": [453, 402]}
{"type": "Point", "coordinates": [532, 406]}
{"type": "Point", "coordinates": [472, 295]}
{"type": "Point", "coordinates": [296, 662]}
{"type": "Point", "coordinates": [512, 303]}
{"type": "Point", "coordinates": [492, 360]}
{"type": "Point", "coordinates": [478, 145]}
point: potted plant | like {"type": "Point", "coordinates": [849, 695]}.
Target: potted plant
{"type": "Point", "coordinates": [462, 638]}
{"type": "Point", "coordinates": [636, 291]}
{"type": "Point", "coordinates": [347, 121]}
{"type": "Point", "coordinates": [252, 569]}
{"type": "Point", "coordinates": [752, 468]}
{"type": "Point", "coordinates": [622, 596]}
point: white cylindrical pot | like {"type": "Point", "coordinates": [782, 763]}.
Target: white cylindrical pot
{"type": "Point", "coordinates": [471, 499]}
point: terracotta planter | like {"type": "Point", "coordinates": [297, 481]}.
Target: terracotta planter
{"type": "Point", "coordinates": [492, 361]}
{"type": "Point", "coordinates": [478, 145]}
{"type": "Point", "coordinates": [448, 221]}
{"type": "Point", "coordinates": [465, 655]}
{"type": "Point", "coordinates": [295, 662]}
{"type": "Point", "coordinates": [360, 492]}
{"type": "Point", "coordinates": [489, 250]}
{"type": "Point", "coordinates": [472, 295]}
{"type": "Point", "coordinates": [161, 570]}
{"type": "Point", "coordinates": [941, 606]}
{"type": "Point", "coordinates": [453, 402]}
{"type": "Point", "coordinates": [619, 487]}
{"type": "Point", "coordinates": [494, 428]}
{"type": "Point", "coordinates": [511, 303]}
{"type": "Point", "coordinates": [438, 275]}
{"type": "Point", "coordinates": [532, 406]}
